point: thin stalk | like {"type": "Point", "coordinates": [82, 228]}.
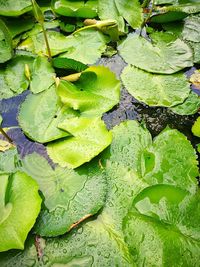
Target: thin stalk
{"type": "Point", "coordinates": [46, 41]}
{"type": "Point", "coordinates": [148, 17]}
{"type": "Point", "coordinates": [6, 136]}
{"type": "Point", "coordinates": [146, 3]}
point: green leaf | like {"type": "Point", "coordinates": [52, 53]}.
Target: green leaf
{"type": "Point", "coordinates": [190, 106]}
{"type": "Point", "coordinates": [92, 42]}
{"type": "Point", "coordinates": [108, 10]}
{"type": "Point", "coordinates": [70, 196]}
{"type": "Point", "coordinates": [5, 91]}
{"type": "Point", "coordinates": [15, 76]}
{"type": "Point", "coordinates": [156, 89]}
{"type": "Point", "coordinates": [165, 54]}
{"type": "Point", "coordinates": [81, 9]}
{"type": "Point", "coordinates": [6, 50]}
{"type": "Point", "coordinates": [191, 29]}
{"type": "Point", "coordinates": [161, 218]}
{"type": "Point", "coordinates": [170, 13]}
{"type": "Point", "coordinates": [40, 115]}
{"type": "Point", "coordinates": [37, 12]}
{"type": "Point", "coordinates": [96, 91]}
{"type": "Point", "coordinates": [196, 127]}
{"type": "Point", "coordinates": [131, 11]}
{"type": "Point", "coordinates": [19, 206]}
{"type": "Point", "coordinates": [42, 75]}
{"type": "Point", "coordinates": [14, 8]}
{"type": "Point", "coordinates": [69, 64]}
{"type": "Point", "coordinates": [89, 138]}
{"type": "Point", "coordinates": [9, 161]}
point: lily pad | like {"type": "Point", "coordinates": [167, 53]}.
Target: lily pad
{"type": "Point", "coordinates": [19, 211]}
{"type": "Point", "coordinates": [89, 138]}
{"type": "Point", "coordinates": [190, 106]}
{"type": "Point", "coordinates": [166, 54]}
{"type": "Point", "coordinates": [13, 8]}
{"type": "Point", "coordinates": [42, 76]}
{"type": "Point", "coordinates": [6, 50]}
{"type": "Point", "coordinates": [5, 91]}
{"type": "Point", "coordinates": [156, 89]}
{"type": "Point", "coordinates": [40, 115]}
{"type": "Point", "coordinates": [82, 9]}
{"type": "Point", "coordinates": [9, 161]}
{"type": "Point", "coordinates": [69, 196]}
{"type": "Point", "coordinates": [196, 127]}
{"type": "Point", "coordinates": [68, 64]}
{"type": "Point", "coordinates": [96, 91]}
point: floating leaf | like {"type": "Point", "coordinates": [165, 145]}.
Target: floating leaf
{"type": "Point", "coordinates": [42, 75]}
{"type": "Point", "coordinates": [131, 11]}
{"type": "Point", "coordinates": [70, 196]}
{"type": "Point", "coordinates": [165, 54]}
{"type": "Point", "coordinates": [17, 26]}
{"type": "Point", "coordinates": [92, 42]}
{"type": "Point", "coordinates": [190, 106]}
{"type": "Point", "coordinates": [19, 211]}
{"type": "Point", "coordinates": [89, 138]}
{"type": "Point", "coordinates": [15, 76]}
{"type": "Point", "coordinates": [156, 89]}
{"type": "Point", "coordinates": [81, 9]}
{"type": "Point", "coordinates": [96, 91]}
{"type": "Point", "coordinates": [5, 91]}
{"type": "Point", "coordinates": [9, 161]}
{"type": "Point", "coordinates": [40, 115]}
{"type": "Point", "coordinates": [14, 8]}
{"type": "Point", "coordinates": [6, 50]}
{"type": "Point", "coordinates": [196, 127]}
{"type": "Point", "coordinates": [108, 10]}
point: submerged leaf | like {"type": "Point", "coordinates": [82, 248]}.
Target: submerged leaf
{"type": "Point", "coordinates": [156, 89]}
{"type": "Point", "coordinates": [40, 115]}
{"type": "Point", "coordinates": [70, 196]}
{"type": "Point", "coordinates": [165, 54]}
{"type": "Point", "coordinates": [89, 138]}
{"type": "Point", "coordinates": [19, 208]}
{"type": "Point", "coordinates": [96, 91]}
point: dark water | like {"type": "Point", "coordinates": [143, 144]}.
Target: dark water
{"type": "Point", "coordinates": [129, 108]}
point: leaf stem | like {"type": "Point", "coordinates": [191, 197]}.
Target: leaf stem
{"type": "Point", "coordinates": [6, 136]}
{"type": "Point", "coordinates": [46, 41]}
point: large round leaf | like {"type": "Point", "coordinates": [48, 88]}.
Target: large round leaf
{"type": "Point", "coordinates": [156, 89]}
{"type": "Point", "coordinates": [40, 115]}
{"type": "Point", "coordinates": [165, 54]}
{"type": "Point", "coordinates": [69, 196]}
{"type": "Point", "coordinates": [19, 208]}
{"type": "Point", "coordinates": [96, 91]}
{"type": "Point", "coordinates": [89, 138]}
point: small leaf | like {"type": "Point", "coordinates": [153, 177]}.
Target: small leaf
{"type": "Point", "coordinates": [89, 138]}
{"type": "Point", "coordinates": [196, 127]}
{"type": "Point", "coordinates": [68, 64]}
{"type": "Point", "coordinates": [37, 12]}
{"type": "Point", "coordinates": [20, 210]}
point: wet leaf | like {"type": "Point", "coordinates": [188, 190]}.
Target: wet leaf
{"type": "Point", "coordinates": [14, 8]}
{"type": "Point", "coordinates": [190, 106]}
{"type": "Point", "coordinates": [89, 138]}
{"type": "Point", "coordinates": [92, 42]}
{"type": "Point", "coordinates": [69, 196]}
{"type": "Point", "coordinates": [6, 50]}
{"type": "Point", "coordinates": [20, 206]}
{"type": "Point", "coordinates": [131, 11]}
{"type": "Point", "coordinates": [196, 127]}
{"type": "Point", "coordinates": [42, 75]}
{"type": "Point", "coordinates": [96, 91]}
{"type": "Point", "coordinates": [165, 54]}
{"type": "Point", "coordinates": [40, 115]}
{"type": "Point", "coordinates": [81, 9]}
{"type": "Point", "coordinates": [156, 89]}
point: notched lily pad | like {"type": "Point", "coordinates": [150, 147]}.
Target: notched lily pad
{"type": "Point", "coordinates": [20, 206]}
{"type": "Point", "coordinates": [70, 196]}
{"type": "Point", "coordinates": [166, 54]}
{"type": "Point", "coordinates": [89, 138]}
